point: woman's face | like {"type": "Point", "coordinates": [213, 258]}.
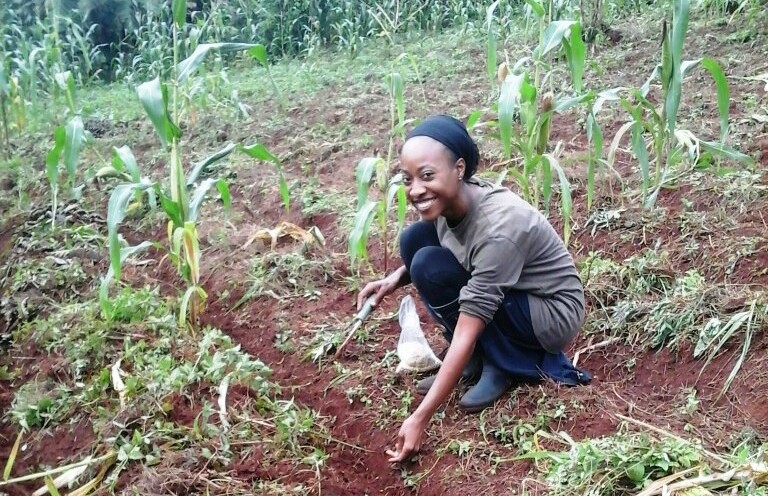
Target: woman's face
{"type": "Point", "coordinates": [432, 178]}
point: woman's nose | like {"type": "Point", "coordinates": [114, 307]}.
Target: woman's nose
{"type": "Point", "coordinates": [415, 189]}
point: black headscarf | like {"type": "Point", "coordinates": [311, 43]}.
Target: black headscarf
{"type": "Point", "coordinates": [452, 133]}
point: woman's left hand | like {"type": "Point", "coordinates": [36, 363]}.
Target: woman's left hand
{"type": "Point", "coordinates": [409, 439]}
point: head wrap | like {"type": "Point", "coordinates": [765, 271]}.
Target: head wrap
{"type": "Point", "coordinates": [453, 134]}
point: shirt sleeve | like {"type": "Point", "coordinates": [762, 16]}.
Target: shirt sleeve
{"type": "Point", "coordinates": [496, 264]}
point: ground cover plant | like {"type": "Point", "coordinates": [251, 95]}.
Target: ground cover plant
{"type": "Point", "coordinates": [104, 389]}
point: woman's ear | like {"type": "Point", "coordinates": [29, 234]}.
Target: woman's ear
{"type": "Point", "coordinates": [461, 166]}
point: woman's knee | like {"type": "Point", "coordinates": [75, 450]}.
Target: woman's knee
{"type": "Point", "coordinates": [415, 237]}
{"type": "Point", "coordinates": [436, 267]}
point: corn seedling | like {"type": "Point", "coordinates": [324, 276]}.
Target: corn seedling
{"type": "Point", "coordinates": [659, 146]}
{"type": "Point", "coordinates": [68, 140]}
{"type": "Point", "coordinates": [259, 52]}
{"type": "Point", "coordinates": [181, 197]}
{"type": "Point", "coordinates": [392, 190]}
{"type": "Point", "coordinates": [521, 100]}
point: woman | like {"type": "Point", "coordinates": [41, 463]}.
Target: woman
{"type": "Point", "coordinates": [492, 271]}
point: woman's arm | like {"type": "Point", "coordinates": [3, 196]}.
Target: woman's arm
{"type": "Point", "coordinates": [462, 345]}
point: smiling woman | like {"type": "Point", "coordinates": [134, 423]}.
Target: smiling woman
{"type": "Point", "coordinates": [490, 268]}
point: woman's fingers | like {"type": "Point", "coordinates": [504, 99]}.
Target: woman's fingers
{"type": "Point", "coordinates": [369, 289]}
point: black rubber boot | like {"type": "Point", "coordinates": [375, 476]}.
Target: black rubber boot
{"type": "Point", "coordinates": [470, 374]}
{"type": "Point", "coordinates": [493, 383]}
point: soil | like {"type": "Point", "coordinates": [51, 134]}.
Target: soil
{"type": "Point", "coordinates": [651, 386]}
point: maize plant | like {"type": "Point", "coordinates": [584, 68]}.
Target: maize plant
{"type": "Point", "coordinates": [392, 190]}
{"type": "Point", "coordinates": [525, 116]}
{"type": "Point", "coordinates": [180, 196]}
{"type": "Point", "coordinates": [68, 140]}
{"type": "Point", "coordinates": [657, 142]}
{"type": "Point", "coordinates": [368, 209]}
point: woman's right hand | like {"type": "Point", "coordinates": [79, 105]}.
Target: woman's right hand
{"type": "Point", "coordinates": [381, 288]}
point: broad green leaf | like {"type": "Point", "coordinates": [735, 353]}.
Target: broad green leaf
{"type": "Point", "coordinates": [491, 43]}
{"type": "Point", "coordinates": [178, 187]}
{"type": "Point", "coordinates": [536, 7]}
{"type": "Point", "coordinates": [509, 101]}
{"type": "Point", "coordinates": [546, 182]}
{"type": "Point", "coordinates": [723, 93]}
{"type": "Point", "coordinates": [595, 137]}
{"type": "Point", "coordinates": [606, 96]}
{"type": "Point", "coordinates": [553, 36]}
{"type": "Point", "coordinates": [153, 96]}
{"type": "Point", "coordinates": [363, 176]}
{"type": "Point", "coordinates": [190, 64]}
{"type": "Point", "coordinates": [567, 103]}
{"type": "Point", "coordinates": [118, 202]}
{"type": "Point", "coordinates": [75, 136]}
{"type": "Point", "coordinates": [259, 152]}
{"type": "Point", "coordinates": [179, 8]}
{"type": "Point", "coordinates": [172, 209]}
{"type": "Point", "coordinates": [192, 251]}
{"type": "Point", "coordinates": [201, 166]}
{"type": "Point", "coordinates": [681, 9]}
{"type": "Point", "coordinates": [566, 201]}
{"type": "Point", "coordinates": [397, 93]}
{"type": "Point", "coordinates": [124, 160]}
{"type": "Point", "coordinates": [358, 238]}
{"type": "Point", "coordinates": [473, 118]}
{"type": "Point", "coordinates": [575, 53]}
{"type": "Point", "coordinates": [226, 196]}
{"type": "Point", "coordinates": [66, 83]}
{"type": "Point", "coordinates": [259, 52]}
{"type": "Point", "coordinates": [687, 66]}
{"type": "Point", "coordinates": [641, 152]}
{"type": "Point", "coordinates": [184, 306]}
{"type": "Point", "coordinates": [201, 191]}
{"type": "Point", "coordinates": [724, 151]}
{"type": "Point", "coordinates": [54, 156]}
{"type": "Point", "coordinates": [646, 87]}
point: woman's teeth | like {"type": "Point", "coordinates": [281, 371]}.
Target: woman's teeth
{"type": "Point", "coordinates": [423, 205]}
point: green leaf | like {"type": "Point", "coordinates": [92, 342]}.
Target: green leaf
{"type": "Point", "coordinates": [118, 202]}
{"type": "Point", "coordinates": [124, 160]}
{"type": "Point", "coordinates": [681, 10]}
{"type": "Point", "coordinates": [641, 152]}
{"type": "Point", "coordinates": [363, 176]}
{"type": "Point", "coordinates": [75, 136]}
{"type": "Point", "coordinates": [473, 118]}
{"type": "Point", "coordinates": [397, 93]}
{"type": "Point", "coordinates": [358, 238]}
{"type": "Point", "coordinates": [190, 64]}
{"type": "Point", "coordinates": [259, 152]}
{"type": "Point", "coordinates": [179, 8]}
{"type": "Point", "coordinates": [491, 43]}
{"type": "Point", "coordinates": [259, 52]}
{"type": "Point", "coordinates": [724, 151]}
{"type": "Point", "coordinates": [566, 201]}
{"type": "Point", "coordinates": [567, 103]}
{"type": "Point", "coordinates": [636, 473]}
{"type": "Point", "coordinates": [723, 93]}
{"type": "Point", "coordinates": [153, 96]}
{"type": "Point", "coordinates": [201, 166]}
{"type": "Point", "coordinates": [536, 7]}
{"type": "Point", "coordinates": [54, 156]}
{"type": "Point", "coordinates": [575, 53]}
{"type": "Point", "coordinates": [509, 101]}
{"type": "Point", "coordinates": [553, 37]}
{"type": "Point", "coordinates": [201, 191]}
{"type": "Point", "coordinates": [172, 209]}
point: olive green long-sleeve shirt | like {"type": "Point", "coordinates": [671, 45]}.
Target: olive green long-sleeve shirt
{"type": "Point", "coordinates": [504, 243]}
